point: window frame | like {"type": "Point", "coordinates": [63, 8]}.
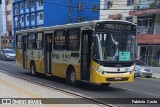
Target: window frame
{"type": "Point", "coordinates": [77, 39]}
{"type": "Point", "coordinates": [95, 8]}
{"type": "Point", "coordinates": [40, 16]}
{"type": "Point", "coordinates": [22, 18]}
{"type": "Point", "coordinates": [21, 6]}
{"type": "Point", "coordinates": [19, 41]}
{"type": "Point", "coordinates": [55, 47]}
{"type": "Point", "coordinates": [41, 48]}
{"type": "Point", "coordinates": [40, 2]}
{"type": "Point", "coordinates": [32, 3]}
{"type": "Point", "coordinates": [27, 18]}
{"type": "Point", "coordinates": [32, 17]}
{"type": "Point", "coordinates": [80, 6]}
{"type": "Point", "coordinates": [27, 4]}
{"type": "Point", "coordinates": [34, 45]}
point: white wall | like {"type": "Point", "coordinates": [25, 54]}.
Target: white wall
{"type": "Point", "coordinates": [1, 24]}
{"type": "Point", "coordinates": [118, 6]}
{"type": "Point", "coordinates": [3, 13]}
{"type": "Point", "coordinates": [40, 21]}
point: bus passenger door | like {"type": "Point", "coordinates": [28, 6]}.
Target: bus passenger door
{"type": "Point", "coordinates": [48, 52]}
{"type": "Point", "coordinates": [24, 51]}
{"type": "Point", "coordinates": [86, 54]}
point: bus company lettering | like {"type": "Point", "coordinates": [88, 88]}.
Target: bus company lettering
{"type": "Point", "coordinates": [55, 56]}
{"type": "Point", "coordinates": [65, 56]}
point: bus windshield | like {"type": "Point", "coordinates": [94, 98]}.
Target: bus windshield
{"type": "Point", "coordinates": [114, 46]}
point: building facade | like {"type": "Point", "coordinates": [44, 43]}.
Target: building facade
{"type": "Point", "coordinates": [7, 41]}
{"type": "Point", "coordinates": [148, 30]}
{"type": "Point", "coordinates": [117, 9]}
{"type": "Point", "coordinates": [3, 29]}
{"type": "Point", "coordinates": [9, 18]}
{"type": "Point", "coordinates": [29, 14]}
{"type": "Point", "coordinates": [6, 23]}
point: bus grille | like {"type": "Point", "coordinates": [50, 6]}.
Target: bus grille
{"type": "Point", "coordinates": [114, 72]}
{"type": "Point", "coordinates": [117, 79]}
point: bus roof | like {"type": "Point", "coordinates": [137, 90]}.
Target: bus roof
{"type": "Point", "coordinates": [87, 23]}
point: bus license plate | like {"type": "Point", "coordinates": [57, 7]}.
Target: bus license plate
{"type": "Point", "coordinates": [117, 78]}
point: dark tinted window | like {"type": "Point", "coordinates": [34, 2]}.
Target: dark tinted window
{"type": "Point", "coordinates": [32, 41]}
{"type": "Point", "coordinates": [59, 40]}
{"type": "Point", "coordinates": [73, 39]}
{"type": "Point", "coordinates": [39, 40]}
{"type": "Point", "coordinates": [19, 41]}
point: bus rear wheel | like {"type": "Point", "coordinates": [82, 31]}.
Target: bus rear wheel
{"type": "Point", "coordinates": [33, 69]}
{"type": "Point", "coordinates": [71, 77]}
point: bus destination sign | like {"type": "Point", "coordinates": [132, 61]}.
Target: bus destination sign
{"type": "Point", "coordinates": [115, 26]}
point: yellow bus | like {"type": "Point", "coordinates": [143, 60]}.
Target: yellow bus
{"type": "Point", "coordinates": [99, 52]}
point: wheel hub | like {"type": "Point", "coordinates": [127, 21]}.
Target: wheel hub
{"type": "Point", "coordinates": [72, 76]}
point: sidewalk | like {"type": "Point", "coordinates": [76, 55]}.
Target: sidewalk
{"type": "Point", "coordinates": [12, 87]}
{"type": "Point", "coordinates": [156, 72]}
{"type": "Point", "coordinates": [156, 75]}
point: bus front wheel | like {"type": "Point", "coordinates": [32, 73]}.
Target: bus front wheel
{"type": "Point", "coordinates": [71, 77]}
{"type": "Point", "coordinates": [33, 69]}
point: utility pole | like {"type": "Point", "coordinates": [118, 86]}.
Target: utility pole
{"type": "Point", "coordinates": [71, 10]}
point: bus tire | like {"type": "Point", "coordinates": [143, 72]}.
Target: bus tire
{"type": "Point", "coordinates": [33, 69]}
{"type": "Point", "coordinates": [71, 77]}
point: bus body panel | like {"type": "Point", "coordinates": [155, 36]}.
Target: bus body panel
{"type": "Point", "coordinates": [19, 59]}
{"type": "Point", "coordinates": [61, 61]}
{"type": "Point", "coordinates": [37, 57]}
{"type": "Point", "coordinates": [97, 77]}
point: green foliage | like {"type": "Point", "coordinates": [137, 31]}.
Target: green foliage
{"type": "Point", "coordinates": [153, 5]}
{"type": "Point", "coordinates": [153, 63]}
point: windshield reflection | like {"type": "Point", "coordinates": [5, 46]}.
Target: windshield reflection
{"type": "Point", "coordinates": [114, 47]}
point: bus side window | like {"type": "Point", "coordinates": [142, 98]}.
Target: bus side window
{"type": "Point", "coordinates": [19, 41]}
{"type": "Point", "coordinates": [39, 40]}
{"type": "Point", "coordinates": [96, 48]}
{"type": "Point", "coordinates": [32, 41]}
{"type": "Point", "coordinates": [73, 42]}
{"type": "Point", "coordinates": [59, 40]}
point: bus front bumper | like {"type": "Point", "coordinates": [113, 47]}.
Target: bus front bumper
{"type": "Point", "coordinates": [111, 78]}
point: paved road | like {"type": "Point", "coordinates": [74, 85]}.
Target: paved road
{"type": "Point", "coordinates": [141, 88]}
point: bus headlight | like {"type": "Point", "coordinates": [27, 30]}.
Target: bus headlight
{"type": "Point", "coordinates": [99, 70]}
{"type": "Point", "coordinates": [130, 70]}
